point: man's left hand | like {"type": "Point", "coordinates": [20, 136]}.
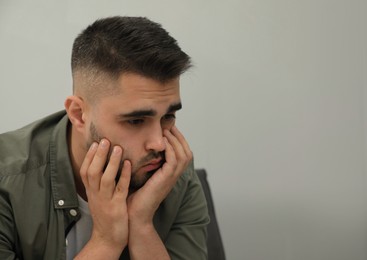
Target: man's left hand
{"type": "Point", "coordinates": [143, 203]}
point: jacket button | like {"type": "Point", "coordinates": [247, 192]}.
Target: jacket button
{"type": "Point", "coordinates": [61, 202]}
{"type": "Point", "coordinates": [73, 212]}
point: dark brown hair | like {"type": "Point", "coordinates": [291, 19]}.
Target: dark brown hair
{"type": "Point", "coordinates": [116, 45]}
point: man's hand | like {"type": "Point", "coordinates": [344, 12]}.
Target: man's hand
{"type": "Point", "coordinates": [144, 242]}
{"type": "Point", "coordinates": [106, 200]}
{"type": "Point", "coordinates": [143, 203]}
{"type": "Point", "coordinates": [119, 219]}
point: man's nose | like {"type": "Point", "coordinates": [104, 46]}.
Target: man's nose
{"type": "Point", "coordinates": [155, 141]}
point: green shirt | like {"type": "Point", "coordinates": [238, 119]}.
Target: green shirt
{"type": "Point", "coordinates": [39, 205]}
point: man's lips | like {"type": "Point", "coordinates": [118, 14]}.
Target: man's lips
{"type": "Point", "coordinates": [153, 165]}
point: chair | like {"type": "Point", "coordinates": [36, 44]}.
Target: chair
{"type": "Point", "coordinates": [214, 240]}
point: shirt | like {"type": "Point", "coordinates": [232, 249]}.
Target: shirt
{"type": "Point", "coordinates": [81, 232]}
{"type": "Point", "coordinates": [39, 204]}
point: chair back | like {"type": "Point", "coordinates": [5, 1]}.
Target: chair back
{"type": "Point", "coordinates": [214, 240]}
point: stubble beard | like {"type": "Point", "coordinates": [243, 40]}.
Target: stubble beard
{"type": "Point", "coordinates": [136, 181]}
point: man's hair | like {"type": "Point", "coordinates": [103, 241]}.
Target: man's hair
{"type": "Point", "coordinates": [116, 45]}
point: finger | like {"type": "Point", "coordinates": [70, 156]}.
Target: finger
{"type": "Point", "coordinates": [182, 140]}
{"type": "Point", "coordinates": [86, 163]}
{"type": "Point", "coordinates": [95, 169]}
{"type": "Point", "coordinates": [122, 186]}
{"type": "Point", "coordinates": [178, 148]}
{"type": "Point", "coordinates": [109, 176]}
{"type": "Point", "coordinates": [171, 160]}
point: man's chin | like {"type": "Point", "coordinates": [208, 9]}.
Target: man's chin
{"type": "Point", "coordinates": [138, 182]}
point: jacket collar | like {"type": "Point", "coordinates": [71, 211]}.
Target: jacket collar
{"type": "Point", "coordinates": [62, 177]}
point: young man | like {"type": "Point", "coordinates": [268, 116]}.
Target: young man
{"type": "Point", "coordinates": [111, 177]}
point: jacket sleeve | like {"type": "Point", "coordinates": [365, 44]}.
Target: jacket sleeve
{"type": "Point", "coordinates": [7, 230]}
{"type": "Point", "coordinates": [187, 237]}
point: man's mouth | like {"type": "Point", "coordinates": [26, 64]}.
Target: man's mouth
{"type": "Point", "coordinates": [153, 165]}
{"type": "Point", "coordinates": [145, 172]}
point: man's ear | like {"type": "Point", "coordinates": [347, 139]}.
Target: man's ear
{"type": "Point", "coordinates": [76, 110]}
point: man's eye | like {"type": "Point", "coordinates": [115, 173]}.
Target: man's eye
{"type": "Point", "coordinates": [135, 121]}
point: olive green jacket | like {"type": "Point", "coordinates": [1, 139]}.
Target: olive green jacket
{"type": "Point", "coordinates": [39, 205]}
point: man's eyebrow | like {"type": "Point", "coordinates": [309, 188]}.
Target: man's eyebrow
{"type": "Point", "coordinates": [139, 113]}
{"type": "Point", "coordinates": [174, 107]}
{"type": "Point", "coordinates": [150, 112]}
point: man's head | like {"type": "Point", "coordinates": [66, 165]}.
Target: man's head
{"type": "Point", "coordinates": [126, 88]}
{"type": "Point", "coordinates": [113, 46]}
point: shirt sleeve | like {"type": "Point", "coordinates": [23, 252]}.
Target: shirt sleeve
{"type": "Point", "coordinates": [187, 237]}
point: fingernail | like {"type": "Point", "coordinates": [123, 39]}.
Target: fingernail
{"type": "Point", "coordinates": [93, 146]}
{"type": "Point", "coordinates": [103, 143]}
{"type": "Point", "coordinates": [116, 150]}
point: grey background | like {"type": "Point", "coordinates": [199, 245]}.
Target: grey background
{"type": "Point", "coordinates": [275, 109]}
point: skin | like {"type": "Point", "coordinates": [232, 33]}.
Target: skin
{"type": "Point", "coordinates": [125, 137]}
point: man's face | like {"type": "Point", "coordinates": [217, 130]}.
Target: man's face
{"type": "Point", "coordinates": [134, 119]}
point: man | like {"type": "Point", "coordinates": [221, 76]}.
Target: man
{"type": "Point", "coordinates": [112, 177]}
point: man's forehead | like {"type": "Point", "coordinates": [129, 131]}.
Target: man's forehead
{"type": "Point", "coordinates": [137, 93]}
{"type": "Point", "coordinates": [130, 82]}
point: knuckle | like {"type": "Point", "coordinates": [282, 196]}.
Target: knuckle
{"type": "Point", "coordinates": [190, 155]}
{"type": "Point", "coordinates": [83, 172]}
{"type": "Point", "coordinates": [119, 189]}
{"type": "Point", "coordinates": [174, 161]}
{"type": "Point", "coordinates": [93, 174]}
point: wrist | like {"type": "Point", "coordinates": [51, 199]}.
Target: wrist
{"type": "Point", "coordinates": [141, 226]}
{"type": "Point", "coordinates": [107, 244]}
{"type": "Point", "coordinates": [100, 249]}
{"type": "Point", "coordinates": [140, 217]}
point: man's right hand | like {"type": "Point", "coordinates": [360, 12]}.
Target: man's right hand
{"type": "Point", "coordinates": [106, 200]}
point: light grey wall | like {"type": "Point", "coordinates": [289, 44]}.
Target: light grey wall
{"type": "Point", "coordinates": [275, 109]}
